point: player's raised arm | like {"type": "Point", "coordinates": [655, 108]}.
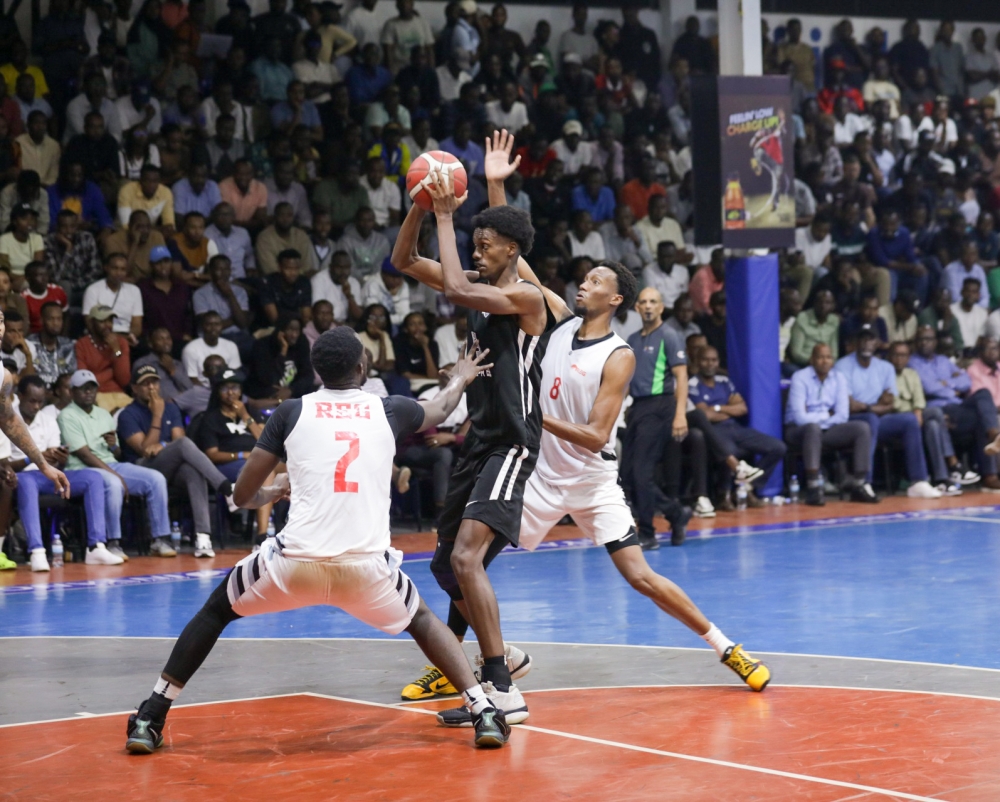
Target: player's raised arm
{"type": "Point", "coordinates": [463, 372]}
{"type": "Point", "coordinates": [595, 433]}
{"type": "Point", "coordinates": [517, 298]}
{"type": "Point", "coordinates": [405, 257]}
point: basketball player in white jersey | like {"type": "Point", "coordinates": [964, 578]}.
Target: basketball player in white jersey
{"type": "Point", "coordinates": [338, 444]}
{"type": "Point", "coordinates": [586, 372]}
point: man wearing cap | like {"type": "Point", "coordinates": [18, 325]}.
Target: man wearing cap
{"type": "Point", "coordinates": [89, 434]}
{"type": "Point", "coordinates": [571, 151]}
{"type": "Point", "coordinates": [389, 289]}
{"type": "Point", "coordinates": [32, 483]}
{"type": "Point", "coordinates": [871, 383]}
{"type": "Point", "coordinates": [151, 431]}
{"type": "Point", "coordinates": [105, 355]}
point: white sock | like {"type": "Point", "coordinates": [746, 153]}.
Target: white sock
{"type": "Point", "coordinates": [167, 690]}
{"type": "Point", "coordinates": [717, 640]}
{"type": "Point", "coordinates": [476, 699]}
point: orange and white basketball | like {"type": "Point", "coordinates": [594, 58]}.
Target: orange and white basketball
{"type": "Point", "coordinates": [421, 173]}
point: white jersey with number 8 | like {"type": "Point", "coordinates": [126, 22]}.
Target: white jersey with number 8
{"type": "Point", "coordinates": [571, 379]}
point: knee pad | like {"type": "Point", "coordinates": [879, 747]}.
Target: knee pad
{"type": "Point", "coordinates": [443, 572]}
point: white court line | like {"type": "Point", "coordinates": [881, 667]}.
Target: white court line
{"type": "Point", "coordinates": [676, 755]}
{"type": "Point", "coordinates": [526, 642]}
{"type": "Point", "coordinates": [967, 518]}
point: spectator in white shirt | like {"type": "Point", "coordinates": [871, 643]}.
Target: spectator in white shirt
{"type": "Point", "coordinates": [317, 75]}
{"type": "Point", "coordinates": [364, 24]}
{"type": "Point", "coordinates": [583, 240]}
{"type": "Point", "coordinates": [668, 277]}
{"type": "Point", "coordinates": [451, 79]}
{"type": "Point", "coordinates": [124, 299]}
{"type": "Point", "coordinates": [815, 243]}
{"type": "Point", "coordinates": [339, 287]}
{"type": "Point", "coordinates": [139, 108]}
{"type": "Point", "coordinates": [507, 112]}
{"type": "Point", "coordinates": [450, 337]}
{"type": "Point", "coordinates": [389, 289]}
{"type": "Point", "coordinates": [846, 124]}
{"type": "Point", "coordinates": [384, 196]}
{"type": "Point", "coordinates": [571, 150]}
{"type": "Point", "coordinates": [211, 343]}
{"type": "Point", "coordinates": [944, 128]}
{"type": "Point", "coordinates": [221, 102]}
{"type": "Point", "coordinates": [970, 315]}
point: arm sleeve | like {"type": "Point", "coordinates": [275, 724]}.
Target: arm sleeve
{"type": "Point", "coordinates": [279, 426]}
{"type": "Point", "coordinates": [405, 415]}
{"type": "Point", "coordinates": [72, 433]}
{"type": "Point", "coordinates": [129, 425]}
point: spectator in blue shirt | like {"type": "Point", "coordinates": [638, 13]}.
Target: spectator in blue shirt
{"type": "Point", "coordinates": [296, 110]}
{"type": "Point", "coordinates": [272, 74]}
{"type": "Point", "coordinates": [82, 196]}
{"type": "Point", "coordinates": [152, 434]}
{"type": "Point", "coordinates": [461, 146]}
{"type": "Point", "coordinates": [967, 266]}
{"type": "Point", "coordinates": [947, 388]}
{"type": "Point", "coordinates": [890, 246]}
{"type": "Point", "coordinates": [871, 383]}
{"type": "Point", "coordinates": [365, 81]}
{"type": "Point", "coordinates": [591, 195]}
{"type": "Point", "coordinates": [816, 418]}
{"type": "Point", "coordinates": [196, 193]}
{"type": "Point", "coordinates": [716, 397]}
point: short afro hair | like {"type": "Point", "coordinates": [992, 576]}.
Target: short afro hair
{"type": "Point", "coordinates": [336, 353]}
{"type": "Point", "coordinates": [628, 287]}
{"type": "Point", "coordinates": [509, 222]}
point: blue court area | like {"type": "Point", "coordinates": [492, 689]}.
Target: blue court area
{"type": "Point", "coordinates": [905, 588]}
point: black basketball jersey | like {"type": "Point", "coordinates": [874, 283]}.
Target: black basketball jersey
{"type": "Point", "coordinates": [503, 401]}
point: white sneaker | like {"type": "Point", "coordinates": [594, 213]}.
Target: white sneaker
{"type": "Point", "coordinates": [39, 562]}
{"type": "Point", "coordinates": [403, 480]}
{"type": "Point", "coordinates": [948, 489]}
{"type": "Point", "coordinates": [203, 545]}
{"type": "Point", "coordinates": [515, 709]}
{"type": "Point", "coordinates": [115, 547]}
{"type": "Point", "coordinates": [967, 478]}
{"type": "Point", "coordinates": [703, 508]}
{"type": "Point", "coordinates": [99, 555]}
{"type": "Point", "coordinates": [233, 506]}
{"type": "Point", "coordinates": [745, 472]}
{"type": "Point", "coordinates": [922, 490]}
{"type": "Point", "coordinates": [160, 547]}
{"type": "Point", "coordinates": [518, 662]}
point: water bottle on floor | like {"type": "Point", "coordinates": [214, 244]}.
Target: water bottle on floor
{"type": "Point", "coordinates": [793, 489]}
{"type": "Point", "coordinates": [175, 536]}
{"type": "Point", "coordinates": [57, 552]}
{"type": "Point", "coordinates": [741, 496]}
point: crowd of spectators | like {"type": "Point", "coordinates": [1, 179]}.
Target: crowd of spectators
{"type": "Point", "coordinates": [188, 203]}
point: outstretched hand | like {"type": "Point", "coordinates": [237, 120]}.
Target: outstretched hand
{"type": "Point", "coordinates": [497, 163]}
{"type": "Point", "coordinates": [442, 192]}
{"type": "Point", "coordinates": [467, 368]}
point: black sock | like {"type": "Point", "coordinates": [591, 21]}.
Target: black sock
{"type": "Point", "coordinates": [156, 707]}
{"type": "Point", "coordinates": [495, 670]}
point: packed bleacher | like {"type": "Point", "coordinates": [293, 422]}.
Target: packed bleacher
{"type": "Point", "coordinates": [188, 203]}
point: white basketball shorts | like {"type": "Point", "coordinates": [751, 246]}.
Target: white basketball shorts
{"type": "Point", "coordinates": [370, 587]}
{"type": "Point", "coordinates": [598, 507]}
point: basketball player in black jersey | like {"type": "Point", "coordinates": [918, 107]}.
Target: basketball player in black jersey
{"type": "Point", "coordinates": [482, 512]}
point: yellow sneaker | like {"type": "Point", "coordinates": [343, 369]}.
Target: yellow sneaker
{"type": "Point", "coordinates": [6, 564]}
{"type": "Point", "coordinates": [431, 684]}
{"type": "Point", "coordinates": [753, 672]}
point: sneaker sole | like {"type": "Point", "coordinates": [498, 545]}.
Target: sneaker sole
{"type": "Point", "coordinates": [204, 554]}
{"type": "Point", "coordinates": [140, 747]}
{"type": "Point", "coordinates": [704, 514]}
{"type": "Point", "coordinates": [513, 717]}
{"type": "Point", "coordinates": [490, 741]}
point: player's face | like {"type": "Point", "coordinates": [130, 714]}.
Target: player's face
{"type": "Point", "coordinates": [492, 254]}
{"type": "Point", "coordinates": [598, 291]}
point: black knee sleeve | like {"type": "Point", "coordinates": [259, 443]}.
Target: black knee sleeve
{"type": "Point", "coordinates": [200, 635]}
{"type": "Point", "coordinates": [442, 570]}
{"type": "Point", "coordinates": [456, 622]}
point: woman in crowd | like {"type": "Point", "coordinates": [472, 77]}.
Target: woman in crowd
{"type": "Point", "coordinates": [280, 367]}
{"type": "Point", "coordinates": [417, 354]}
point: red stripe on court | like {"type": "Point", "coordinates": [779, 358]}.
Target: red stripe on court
{"type": "Point", "coordinates": [306, 748]}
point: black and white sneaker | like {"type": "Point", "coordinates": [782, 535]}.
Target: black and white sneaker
{"type": "Point", "coordinates": [143, 735]}
{"type": "Point", "coordinates": [511, 702]}
{"type": "Point", "coordinates": [492, 729]}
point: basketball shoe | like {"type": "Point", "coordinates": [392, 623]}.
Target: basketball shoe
{"type": "Point", "coordinates": [492, 729]}
{"type": "Point", "coordinates": [144, 735]}
{"type": "Point", "coordinates": [431, 684]}
{"type": "Point", "coordinates": [753, 672]}
{"type": "Point", "coordinates": [511, 702]}
{"type": "Point", "coordinates": [518, 662]}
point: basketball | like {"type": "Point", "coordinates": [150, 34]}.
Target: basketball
{"type": "Point", "coordinates": [421, 173]}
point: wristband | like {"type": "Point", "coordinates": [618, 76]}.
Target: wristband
{"type": "Point", "coordinates": [240, 455]}
{"type": "Point", "coordinates": [459, 439]}
{"type": "Point", "coordinates": [27, 460]}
